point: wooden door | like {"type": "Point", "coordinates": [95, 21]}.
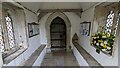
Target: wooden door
{"type": "Point", "coordinates": [58, 33]}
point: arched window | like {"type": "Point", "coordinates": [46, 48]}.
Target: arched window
{"type": "Point", "coordinates": [10, 33]}
{"type": "Point", "coordinates": [7, 38]}
{"type": "Point", "coordinates": [2, 47]}
{"type": "Point", "coordinates": [105, 36]}
{"type": "Point", "coordinates": [13, 37]}
{"type": "Point", "coordinates": [109, 24]}
{"type": "Point", "coordinates": [116, 24]}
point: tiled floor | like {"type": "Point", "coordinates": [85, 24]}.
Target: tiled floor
{"type": "Point", "coordinates": [59, 58]}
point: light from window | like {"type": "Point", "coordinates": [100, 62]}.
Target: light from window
{"type": "Point", "coordinates": [108, 26]}
{"type": "Point", "coordinates": [10, 31]}
{"type": "Point", "coordinates": [116, 25]}
{"type": "Point", "coordinates": [1, 40]}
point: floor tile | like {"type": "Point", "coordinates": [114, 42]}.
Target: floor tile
{"type": "Point", "coordinates": [59, 58]}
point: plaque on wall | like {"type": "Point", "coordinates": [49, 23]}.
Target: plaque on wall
{"type": "Point", "coordinates": [33, 29]}
{"type": "Point", "coordinates": [85, 28]}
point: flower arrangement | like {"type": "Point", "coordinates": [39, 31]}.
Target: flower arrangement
{"type": "Point", "coordinates": [103, 41]}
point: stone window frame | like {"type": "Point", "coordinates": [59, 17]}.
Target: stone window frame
{"type": "Point", "coordinates": [7, 48]}
{"type": "Point", "coordinates": [102, 16]}
{"type": "Point", "coordinates": [21, 42]}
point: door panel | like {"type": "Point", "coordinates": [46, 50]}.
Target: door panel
{"type": "Point", "coordinates": [58, 33]}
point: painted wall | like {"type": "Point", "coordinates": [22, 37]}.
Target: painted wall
{"type": "Point", "coordinates": [33, 42]}
{"type": "Point", "coordinates": [74, 20]}
{"type": "Point", "coordinates": [75, 23]}
{"type": "Point", "coordinates": [42, 22]}
{"type": "Point", "coordinates": [0, 21]}
{"type": "Point", "coordinates": [119, 47]}
{"type": "Point", "coordinates": [84, 41]}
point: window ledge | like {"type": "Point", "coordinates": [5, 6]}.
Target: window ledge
{"type": "Point", "coordinates": [14, 55]}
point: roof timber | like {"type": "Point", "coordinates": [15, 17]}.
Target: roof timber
{"type": "Point", "coordinates": [58, 10]}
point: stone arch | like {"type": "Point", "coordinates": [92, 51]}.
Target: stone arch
{"type": "Point", "coordinates": [68, 28]}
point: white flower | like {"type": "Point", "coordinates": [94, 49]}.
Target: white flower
{"type": "Point", "coordinates": [103, 36]}
{"type": "Point", "coordinates": [97, 44]}
{"type": "Point", "coordinates": [94, 42]}
{"type": "Point", "coordinates": [108, 48]}
{"type": "Point", "coordinates": [94, 37]}
{"type": "Point", "coordinates": [101, 44]}
{"type": "Point", "coordinates": [104, 49]}
{"type": "Point", "coordinates": [105, 42]}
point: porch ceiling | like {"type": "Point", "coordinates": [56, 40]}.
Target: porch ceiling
{"type": "Point", "coordinates": [35, 6]}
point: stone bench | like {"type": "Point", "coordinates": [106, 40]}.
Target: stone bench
{"type": "Point", "coordinates": [89, 59]}
{"type": "Point", "coordinates": [86, 56]}
{"type": "Point", "coordinates": [34, 56]}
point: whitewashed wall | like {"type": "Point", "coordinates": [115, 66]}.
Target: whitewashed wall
{"type": "Point", "coordinates": [42, 22]}
{"type": "Point", "coordinates": [33, 42]}
{"type": "Point", "coordinates": [74, 20]}
{"type": "Point", "coordinates": [0, 21]}
{"type": "Point", "coordinates": [75, 23]}
{"type": "Point", "coordinates": [84, 41]}
{"type": "Point", "coordinates": [119, 45]}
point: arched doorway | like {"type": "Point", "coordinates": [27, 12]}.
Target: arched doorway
{"type": "Point", "coordinates": [58, 33]}
{"type": "Point", "coordinates": [68, 28]}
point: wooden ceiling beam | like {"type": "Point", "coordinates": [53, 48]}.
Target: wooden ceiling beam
{"type": "Point", "coordinates": [41, 15]}
{"type": "Point", "coordinates": [59, 10]}
{"type": "Point", "coordinates": [43, 12]}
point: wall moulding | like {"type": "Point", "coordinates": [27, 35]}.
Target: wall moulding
{"type": "Point", "coordinates": [43, 12]}
{"type": "Point", "coordinates": [68, 28]}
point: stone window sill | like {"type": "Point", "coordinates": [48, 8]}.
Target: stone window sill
{"type": "Point", "coordinates": [14, 55]}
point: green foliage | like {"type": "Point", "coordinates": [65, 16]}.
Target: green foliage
{"type": "Point", "coordinates": [103, 41]}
